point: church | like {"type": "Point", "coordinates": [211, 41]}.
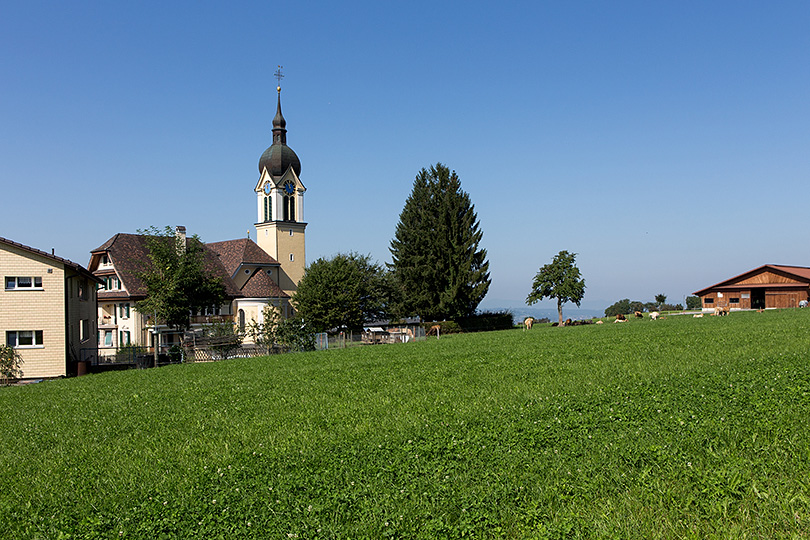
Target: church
{"type": "Point", "coordinates": [256, 274]}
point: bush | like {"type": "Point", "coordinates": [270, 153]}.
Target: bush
{"type": "Point", "coordinates": [292, 335]}
{"type": "Point", "coordinates": [486, 321]}
{"type": "Point", "coordinates": [446, 327]}
{"type": "Point", "coordinates": [10, 364]}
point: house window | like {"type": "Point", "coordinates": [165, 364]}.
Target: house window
{"type": "Point", "coordinates": [708, 300]}
{"type": "Point", "coordinates": [27, 282]}
{"type": "Point", "coordinates": [84, 329]}
{"type": "Point", "coordinates": [123, 310]}
{"type": "Point", "coordinates": [292, 257]}
{"type": "Point", "coordinates": [83, 290]}
{"type": "Point", "coordinates": [21, 339]}
{"type": "Point", "coordinates": [108, 338]}
{"type": "Point", "coordinates": [211, 310]}
{"type": "Point", "coordinates": [734, 300]}
{"type": "Point", "coordinates": [241, 320]}
{"type": "Point", "coordinates": [123, 338]}
{"type": "Point", "coordinates": [291, 232]}
{"type": "Point", "coordinates": [111, 283]}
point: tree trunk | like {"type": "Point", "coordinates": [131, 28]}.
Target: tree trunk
{"type": "Point", "coordinates": [559, 310]}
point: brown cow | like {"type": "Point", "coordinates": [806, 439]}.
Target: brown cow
{"type": "Point", "coordinates": [527, 323]}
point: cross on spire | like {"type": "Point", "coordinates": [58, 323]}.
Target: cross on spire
{"type": "Point", "coordinates": [279, 75]}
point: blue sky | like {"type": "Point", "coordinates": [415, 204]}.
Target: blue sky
{"type": "Point", "coordinates": [666, 143]}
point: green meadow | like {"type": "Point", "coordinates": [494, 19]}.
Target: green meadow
{"type": "Point", "coordinates": [678, 428]}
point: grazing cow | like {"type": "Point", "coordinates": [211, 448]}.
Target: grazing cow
{"type": "Point", "coordinates": [620, 317]}
{"type": "Point", "coordinates": [639, 315]}
{"type": "Point", "coordinates": [435, 330]}
{"type": "Point", "coordinates": [527, 323]}
{"type": "Point", "coordinates": [654, 315]}
{"type": "Point", "coordinates": [720, 311]}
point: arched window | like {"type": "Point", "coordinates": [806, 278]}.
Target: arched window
{"type": "Point", "coordinates": [241, 320]}
{"type": "Point", "coordinates": [289, 208]}
{"type": "Point", "coordinates": [268, 208]}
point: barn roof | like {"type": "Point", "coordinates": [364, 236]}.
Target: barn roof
{"type": "Point", "coordinates": [800, 275]}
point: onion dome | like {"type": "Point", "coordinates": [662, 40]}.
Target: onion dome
{"type": "Point", "coordinates": [279, 157]}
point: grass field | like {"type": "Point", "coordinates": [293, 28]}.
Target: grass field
{"type": "Point", "coordinates": [680, 428]}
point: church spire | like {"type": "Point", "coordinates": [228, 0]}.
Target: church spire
{"type": "Point", "coordinates": [278, 157]}
{"type": "Point", "coordinates": [279, 124]}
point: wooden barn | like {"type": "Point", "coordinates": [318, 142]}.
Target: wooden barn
{"type": "Point", "coordinates": [769, 286]}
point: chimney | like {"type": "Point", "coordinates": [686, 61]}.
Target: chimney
{"type": "Point", "coordinates": [180, 236]}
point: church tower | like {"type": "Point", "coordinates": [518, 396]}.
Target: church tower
{"type": "Point", "coordinates": [280, 226]}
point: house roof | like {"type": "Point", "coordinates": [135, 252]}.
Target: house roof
{"type": "Point", "coordinates": [70, 264]}
{"type": "Point", "coordinates": [129, 255]}
{"type": "Point", "coordinates": [799, 273]}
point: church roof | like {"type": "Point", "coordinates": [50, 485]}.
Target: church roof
{"type": "Point", "coordinates": [234, 253]}
{"type": "Point", "coordinates": [279, 157]}
{"type": "Point", "coordinates": [261, 285]}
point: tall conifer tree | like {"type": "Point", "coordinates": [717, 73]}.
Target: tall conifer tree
{"type": "Point", "coordinates": [436, 259]}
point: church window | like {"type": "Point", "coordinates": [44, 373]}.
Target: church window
{"type": "Point", "coordinates": [289, 208]}
{"type": "Point", "coordinates": [268, 209]}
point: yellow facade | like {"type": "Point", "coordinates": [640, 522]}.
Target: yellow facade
{"type": "Point", "coordinates": [280, 231]}
{"type": "Point", "coordinates": [60, 312]}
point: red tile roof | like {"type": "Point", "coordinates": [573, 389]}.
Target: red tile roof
{"type": "Point", "coordinates": [234, 253]}
{"type": "Point", "coordinates": [130, 255]}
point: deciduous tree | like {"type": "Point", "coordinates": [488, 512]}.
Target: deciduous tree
{"type": "Point", "coordinates": [560, 279]}
{"type": "Point", "coordinates": [342, 292]}
{"type": "Point", "coordinates": [176, 279]}
{"type": "Point", "coordinates": [437, 263]}
{"type": "Point", "coordinates": [693, 302]}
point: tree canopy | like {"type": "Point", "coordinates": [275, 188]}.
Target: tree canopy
{"type": "Point", "coordinates": [693, 302]}
{"type": "Point", "coordinates": [560, 279]}
{"type": "Point", "coordinates": [342, 292]}
{"type": "Point", "coordinates": [176, 279]}
{"type": "Point", "coordinates": [436, 260]}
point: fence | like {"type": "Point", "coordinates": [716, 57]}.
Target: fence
{"type": "Point", "coordinates": [372, 336]}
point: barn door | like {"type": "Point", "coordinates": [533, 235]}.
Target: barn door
{"type": "Point", "coordinates": [758, 299]}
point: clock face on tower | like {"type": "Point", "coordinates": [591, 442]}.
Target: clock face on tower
{"type": "Point", "coordinates": [267, 187]}
{"type": "Point", "coordinates": [289, 188]}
